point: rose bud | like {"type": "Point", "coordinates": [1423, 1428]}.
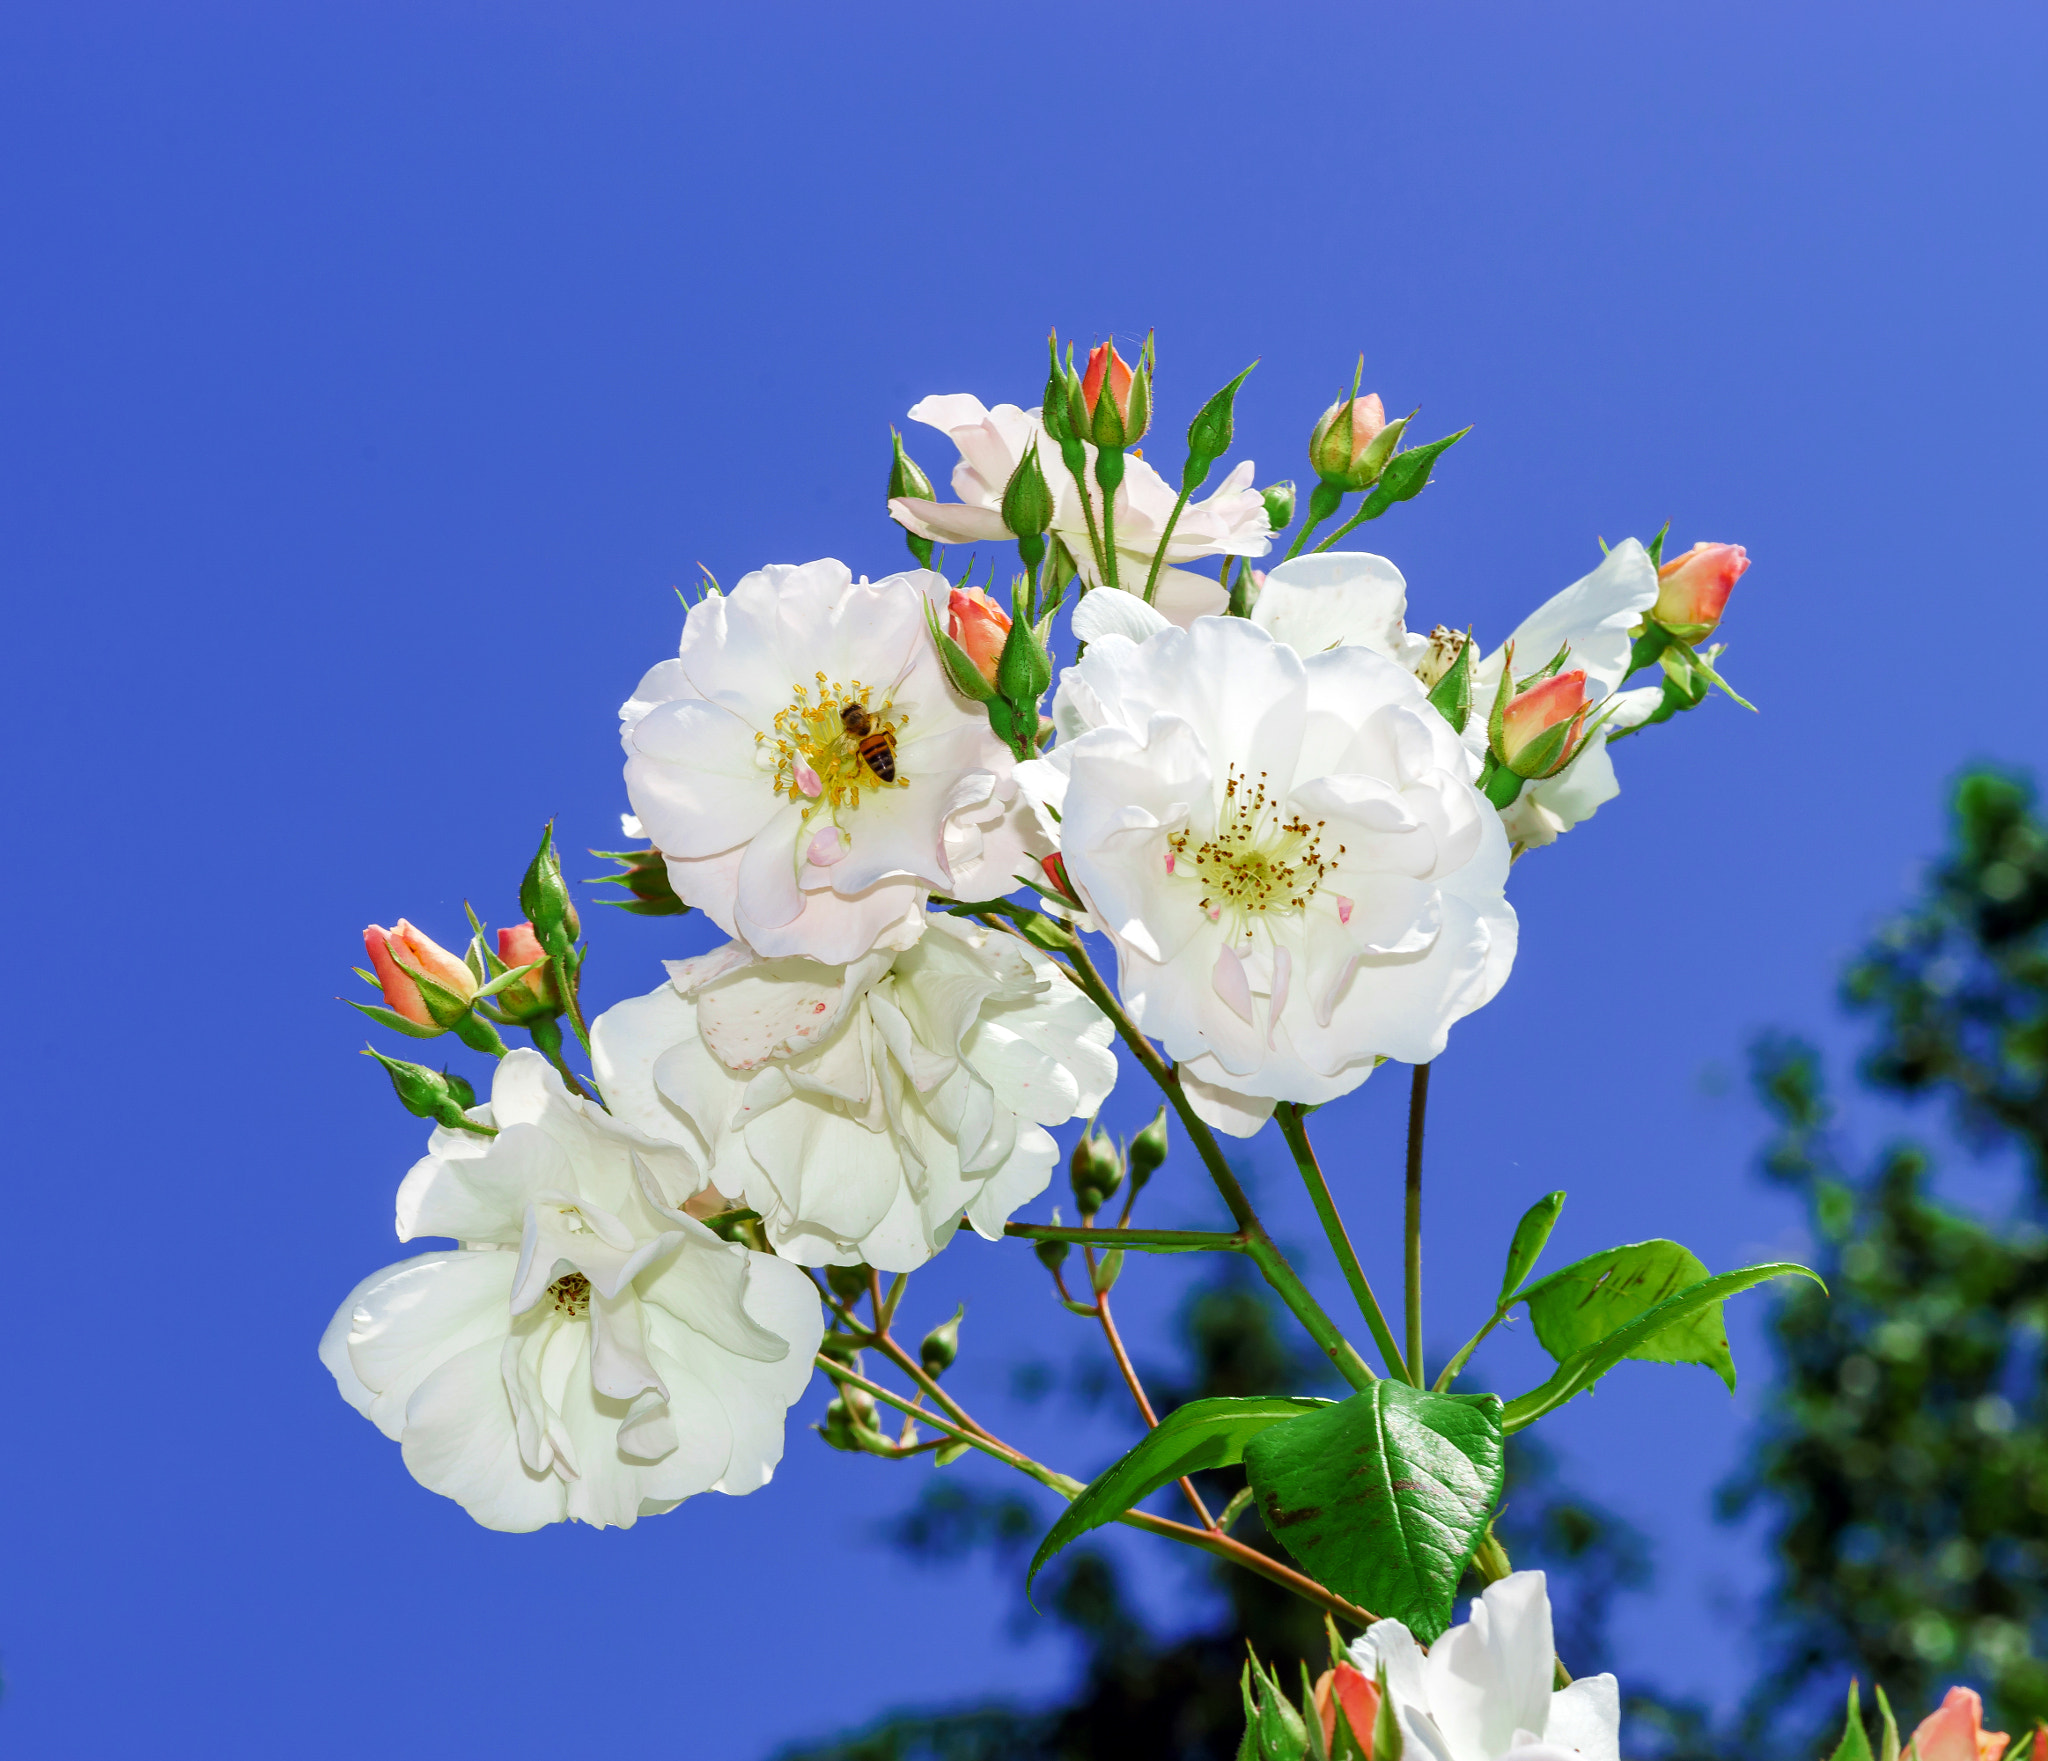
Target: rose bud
{"type": "Point", "coordinates": [1355, 1693]}
{"type": "Point", "coordinates": [1122, 418]}
{"type": "Point", "coordinates": [980, 626]}
{"type": "Point", "coordinates": [533, 997]}
{"type": "Point", "coordinates": [1352, 441]}
{"type": "Point", "coordinates": [1955, 1731]}
{"type": "Point", "coordinates": [1693, 589]}
{"type": "Point", "coordinates": [1541, 727]}
{"type": "Point", "coordinates": [421, 980]}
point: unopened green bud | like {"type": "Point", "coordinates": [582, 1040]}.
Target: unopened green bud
{"type": "Point", "coordinates": [1096, 1171]}
{"type": "Point", "coordinates": [1148, 1151]}
{"type": "Point", "coordinates": [439, 1095]}
{"type": "Point", "coordinates": [544, 895]}
{"type": "Point", "coordinates": [848, 1283]}
{"type": "Point", "coordinates": [1053, 1254]}
{"type": "Point", "coordinates": [852, 1413]}
{"type": "Point", "coordinates": [1353, 441]}
{"type": "Point", "coordinates": [905, 479]}
{"type": "Point", "coordinates": [842, 1348]}
{"type": "Point", "coordinates": [941, 1345]}
{"type": "Point", "coordinates": [1027, 499]}
{"type": "Point", "coordinates": [1279, 500]}
{"type": "Point", "coordinates": [1210, 432]}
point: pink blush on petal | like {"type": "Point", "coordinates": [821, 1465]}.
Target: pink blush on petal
{"type": "Point", "coordinates": [1343, 908]}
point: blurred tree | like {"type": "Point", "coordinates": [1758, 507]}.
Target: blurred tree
{"type": "Point", "coordinates": [1902, 1464]}
{"type": "Point", "coordinates": [1144, 1696]}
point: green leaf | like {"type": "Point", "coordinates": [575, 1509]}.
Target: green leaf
{"type": "Point", "coordinates": [1855, 1743]}
{"type": "Point", "coordinates": [1583, 1368]}
{"type": "Point", "coordinates": [1531, 1234]}
{"type": "Point", "coordinates": [1202, 1434]}
{"type": "Point", "coordinates": [1590, 1300]}
{"type": "Point", "coordinates": [1383, 1497]}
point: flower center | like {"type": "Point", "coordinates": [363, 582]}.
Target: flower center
{"type": "Point", "coordinates": [1259, 858]}
{"type": "Point", "coordinates": [571, 1295]}
{"type": "Point", "coordinates": [831, 743]}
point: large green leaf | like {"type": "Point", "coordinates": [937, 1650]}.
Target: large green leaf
{"type": "Point", "coordinates": [1383, 1496]}
{"type": "Point", "coordinates": [1583, 1368]}
{"type": "Point", "coordinates": [1202, 1434]}
{"type": "Point", "coordinates": [1584, 1303]}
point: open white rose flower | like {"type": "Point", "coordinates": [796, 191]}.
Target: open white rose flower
{"type": "Point", "coordinates": [1229, 521]}
{"type": "Point", "coordinates": [1286, 851]}
{"type": "Point", "coordinates": [1483, 1691]}
{"type": "Point", "coordinates": [807, 771]}
{"type": "Point", "coordinates": [1358, 599]}
{"type": "Point", "coordinates": [588, 1351]}
{"type": "Point", "coordinates": [864, 1109]}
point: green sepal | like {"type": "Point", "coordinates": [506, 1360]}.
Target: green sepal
{"type": "Point", "coordinates": [1498, 784]}
{"type": "Point", "coordinates": [1583, 1368]}
{"type": "Point", "coordinates": [1532, 1233]}
{"type": "Point", "coordinates": [1107, 1270]}
{"type": "Point", "coordinates": [1655, 550]}
{"type": "Point", "coordinates": [396, 1022]}
{"type": "Point", "coordinates": [1647, 649]}
{"type": "Point", "coordinates": [480, 1036]}
{"type": "Point", "coordinates": [644, 875]}
{"type": "Point", "coordinates": [1383, 1497]}
{"type": "Point", "coordinates": [948, 1453]}
{"type": "Point", "coordinates": [1452, 694]}
{"type": "Point", "coordinates": [961, 671]}
{"type": "Point", "coordinates": [1201, 1435]}
{"type": "Point", "coordinates": [1888, 1734]}
{"type": "Point", "coordinates": [510, 976]}
{"type": "Point", "coordinates": [1209, 435]}
{"type": "Point", "coordinates": [1548, 753]}
{"type": "Point", "coordinates": [1855, 1743]}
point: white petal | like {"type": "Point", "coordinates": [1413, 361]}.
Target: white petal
{"type": "Point", "coordinates": [1586, 1717]}
{"type": "Point", "coordinates": [1237, 1115]}
{"type": "Point", "coordinates": [1334, 599]}
{"type": "Point", "coordinates": [1491, 1677]}
{"type": "Point", "coordinates": [1109, 611]}
{"type": "Point", "coordinates": [417, 1316]}
{"type": "Point", "coordinates": [459, 1441]}
{"type": "Point", "coordinates": [1592, 617]}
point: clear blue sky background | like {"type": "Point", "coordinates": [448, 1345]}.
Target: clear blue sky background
{"type": "Point", "coordinates": [369, 374]}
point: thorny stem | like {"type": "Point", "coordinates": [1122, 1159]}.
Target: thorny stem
{"type": "Point", "coordinates": [1418, 1104]}
{"type": "Point", "coordinates": [1296, 1134]}
{"type": "Point", "coordinates": [1272, 1264]}
{"type": "Point", "coordinates": [1208, 1540]}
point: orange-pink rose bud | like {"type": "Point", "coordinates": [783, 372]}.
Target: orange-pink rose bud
{"type": "Point", "coordinates": [1955, 1731]}
{"type": "Point", "coordinates": [535, 993]}
{"type": "Point", "coordinates": [980, 626]}
{"type": "Point", "coordinates": [421, 980]}
{"type": "Point", "coordinates": [1541, 727]}
{"type": "Point", "coordinates": [1352, 442]}
{"type": "Point", "coordinates": [1358, 1696]}
{"type": "Point", "coordinates": [1105, 363]}
{"type": "Point", "coordinates": [1120, 418]}
{"type": "Point", "coordinates": [1693, 589]}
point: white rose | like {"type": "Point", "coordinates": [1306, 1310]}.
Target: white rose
{"type": "Point", "coordinates": [864, 1109]}
{"type": "Point", "coordinates": [1483, 1691]}
{"type": "Point", "coordinates": [588, 1352]}
{"type": "Point", "coordinates": [747, 773]}
{"type": "Point", "coordinates": [1287, 853]}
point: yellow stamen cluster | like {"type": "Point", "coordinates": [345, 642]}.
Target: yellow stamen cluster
{"type": "Point", "coordinates": [812, 732]}
{"type": "Point", "coordinates": [1258, 859]}
{"type": "Point", "coordinates": [571, 1294]}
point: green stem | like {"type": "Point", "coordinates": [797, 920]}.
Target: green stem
{"type": "Point", "coordinates": [1296, 1134]}
{"type": "Point", "coordinates": [1077, 469]}
{"type": "Point", "coordinates": [1366, 511]}
{"type": "Point", "coordinates": [1107, 477]}
{"type": "Point", "coordinates": [1323, 501]}
{"type": "Point", "coordinates": [1152, 1240]}
{"type": "Point", "coordinates": [1159, 555]}
{"type": "Point", "coordinates": [548, 1038]}
{"type": "Point", "coordinates": [1258, 1245]}
{"type": "Point", "coordinates": [1208, 1540]}
{"type": "Point", "coordinates": [1449, 1373]}
{"type": "Point", "coordinates": [1418, 1103]}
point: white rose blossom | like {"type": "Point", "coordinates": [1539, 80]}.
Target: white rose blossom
{"type": "Point", "coordinates": [747, 773]}
{"type": "Point", "coordinates": [1287, 853]}
{"type": "Point", "coordinates": [589, 1351]}
{"type": "Point", "coordinates": [1231, 521]}
{"type": "Point", "coordinates": [864, 1109]}
{"type": "Point", "coordinates": [1483, 1691]}
{"type": "Point", "coordinates": [1355, 598]}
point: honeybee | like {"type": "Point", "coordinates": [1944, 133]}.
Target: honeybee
{"type": "Point", "coordinates": [877, 746]}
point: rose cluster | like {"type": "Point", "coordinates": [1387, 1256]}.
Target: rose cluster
{"type": "Point", "coordinates": [1291, 818]}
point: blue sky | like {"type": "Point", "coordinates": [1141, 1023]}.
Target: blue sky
{"type": "Point", "coordinates": [372, 373]}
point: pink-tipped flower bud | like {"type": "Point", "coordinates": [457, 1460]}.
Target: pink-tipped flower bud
{"type": "Point", "coordinates": [1542, 726]}
{"type": "Point", "coordinates": [421, 980]}
{"type": "Point", "coordinates": [1352, 442]}
{"type": "Point", "coordinates": [533, 996]}
{"type": "Point", "coordinates": [1119, 418]}
{"type": "Point", "coordinates": [1355, 1694]}
{"type": "Point", "coordinates": [1955, 1731]}
{"type": "Point", "coordinates": [1693, 589]}
{"type": "Point", "coordinates": [980, 626]}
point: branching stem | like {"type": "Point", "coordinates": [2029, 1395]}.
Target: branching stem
{"type": "Point", "coordinates": [1296, 1134]}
